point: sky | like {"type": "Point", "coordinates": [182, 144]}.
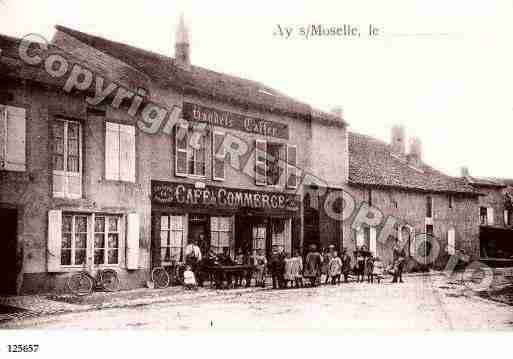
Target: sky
{"type": "Point", "coordinates": [441, 68]}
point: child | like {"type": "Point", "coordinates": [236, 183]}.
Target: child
{"type": "Point", "coordinates": [189, 279]}
{"type": "Point", "coordinates": [297, 269]}
{"type": "Point", "coordinates": [335, 268]}
{"type": "Point", "coordinates": [260, 264]}
{"type": "Point", "coordinates": [369, 268]}
{"type": "Point", "coordinates": [288, 271]}
{"type": "Point", "coordinates": [378, 269]}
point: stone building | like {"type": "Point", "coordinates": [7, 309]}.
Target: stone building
{"type": "Point", "coordinates": [417, 202]}
{"type": "Point", "coordinates": [98, 170]}
{"type": "Point", "coordinates": [495, 210]}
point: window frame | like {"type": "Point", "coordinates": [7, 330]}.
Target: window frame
{"type": "Point", "coordinates": [73, 232]}
{"type": "Point", "coordinates": [170, 230]}
{"type": "Point", "coordinates": [429, 207]}
{"type": "Point", "coordinates": [118, 129]}
{"type": "Point", "coordinates": [278, 163]}
{"type": "Point", "coordinates": [65, 173]}
{"type": "Point", "coordinates": [217, 231]}
{"type": "Point", "coordinates": [106, 232]}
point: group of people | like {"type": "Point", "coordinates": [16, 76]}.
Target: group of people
{"type": "Point", "coordinates": [290, 271]}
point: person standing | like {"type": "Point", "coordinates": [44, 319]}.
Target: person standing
{"type": "Point", "coordinates": [398, 262]}
{"type": "Point", "coordinates": [193, 256]}
{"type": "Point", "coordinates": [277, 266]}
{"type": "Point", "coordinates": [346, 265]}
{"type": "Point", "coordinates": [335, 268]}
{"type": "Point", "coordinates": [369, 268]}
{"type": "Point", "coordinates": [312, 269]}
{"type": "Point", "coordinates": [260, 263]}
{"type": "Point", "coordinates": [297, 269]}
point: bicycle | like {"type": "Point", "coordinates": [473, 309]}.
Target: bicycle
{"type": "Point", "coordinates": [165, 275]}
{"type": "Point", "coordinates": [83, 283]}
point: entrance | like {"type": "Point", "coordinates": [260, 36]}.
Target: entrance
{"type": "Point", "coordinates": [8, 264]}
{"type": "Point", "coordinates": [199, 231]}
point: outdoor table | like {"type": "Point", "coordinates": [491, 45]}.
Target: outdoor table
{"type": "Point", "coordinates": [226, 272]}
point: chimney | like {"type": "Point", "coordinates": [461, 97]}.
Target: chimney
{"type": "Point", "coordinates": [415, 154]}
{"type": "Point", "coordinates": [182, 46]}
{"type": "Point", "coordinates": [398, 142]}
{"type": "Point", "coordinates": [465, 172]}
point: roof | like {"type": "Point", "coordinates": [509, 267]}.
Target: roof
{"type": "Point", "coordinates": [485, 181]}
{"type": "Point", "coordinates": [372, 163]}
{"type": "Point", "coordinates": [204, 82]}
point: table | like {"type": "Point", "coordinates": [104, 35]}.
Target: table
{"type": "Point", "coordinates": [221, 273]}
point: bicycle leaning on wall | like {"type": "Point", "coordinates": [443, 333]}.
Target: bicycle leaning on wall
{"type": "Point", "coordinates": [83, 282]}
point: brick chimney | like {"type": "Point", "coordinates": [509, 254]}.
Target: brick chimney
{"type": "Point", "coordinates": [415, 154]}
{"type": "Point", "coordinates": [398, 141]}
{"type": "Point", "coordinates": [182, 46]}
{"type": "Point", "coordinates": [465, 172]}
{"type": "Point", "coordinates": [338, 112]}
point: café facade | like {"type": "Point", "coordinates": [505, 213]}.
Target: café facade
{"type": "Point", "coordinates": [128, 195]}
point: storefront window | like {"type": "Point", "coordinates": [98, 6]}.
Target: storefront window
{"type": "Point", "coordinates": [171, 237]}
{"type": "Point", "coordinates": [259, 237]}
{"type": "Point", "coordinates": [278, 233]}
{"type": "Point", "coordinates": [220, 233]}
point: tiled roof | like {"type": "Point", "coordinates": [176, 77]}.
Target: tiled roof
{"type": "Point", "coordinates": [372, 163]}
{"type": "Point", "coordinates": [198, 80]}
{"type": "Point", "coordinates": [485, 181]}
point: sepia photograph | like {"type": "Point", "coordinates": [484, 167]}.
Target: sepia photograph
{"type": "Point", "coordinates": [292, 167]}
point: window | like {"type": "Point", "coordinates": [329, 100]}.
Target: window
{"type": "Point", "coordinates": [74, 240]}
{"type": "Point", "coordinates": [67, 158]}
{"type": "Point", "coordinates": [507, 217]}
{"type": "Point", "coordinates": [220, 233]}
{"type": "Point", "coordinates": [429, 207]}
{"type": "Point", "coordinates": [278, 234]}
{"type": "Point", "coordinates": [190, 148]}
{"type": "Point", "coordinates": [106, 240]}
{"type": "Point", "coordinates": [491, 217]}
{"type": "Point", "coordinates": [369, 196]}
{"type": "Point", "coordinates": [259, 237]}
{"type": "Point", "coordinates": [483, 216]}
{"type": "Point", "coordinates": [12, 138]}
{"type": "Point", "coordinates": [271, 161]}
{"type": "Point", "coordinates": [119, 152]}
{"type": "Point", "coordinates": [451, 201]}
{"type": "Point", "coordinates": [218, 156]}
{"type": "Point", "coordinates": [275, 154]}
{"type": "Point", "coordinates": [171, 237]}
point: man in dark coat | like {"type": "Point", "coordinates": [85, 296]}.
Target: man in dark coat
{"type": "Point", "coordinates": [277, 266]}
{"type": "Point", "coordinates": [312, 268]}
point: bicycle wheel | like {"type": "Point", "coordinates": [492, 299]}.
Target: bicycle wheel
{"type": "Point", "coordinates": [160, 277]}
{"type": "Point", "coordinates": [109, 280]}
{"type": "Point", "coordinates": [80, 284]}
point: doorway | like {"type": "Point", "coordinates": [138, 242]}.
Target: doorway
{"type": "Point", "coordinates": [8, 257]}
{"type": "Point", "coordinates": [199, 231]}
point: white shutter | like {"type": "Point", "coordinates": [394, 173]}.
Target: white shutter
{"type": "Point", "coordinates": [132, 241]}
{"type": "Point", "coordinates": [291, 166]}
{"type": "Point", "coordinates": [14, 159]}
{"type": "Point", "coordinates": [451, 242]}
{"type": "Point", "coordinates": [372, 242]}
{"type": "Point", "coordinates": [181, 149]}
{"type": "Point", "coordinates": [260, 162]}
{"type": "Point", "coordinates": [490, 217]}
{"type": "Point", "coordinates": [127, 153]}
{"type": "Point", "coordinates": [111, 151]}
{"type": "Point", "coordinates": [506, 217]}
{"type": "Point", "coordinates": [53, 254]}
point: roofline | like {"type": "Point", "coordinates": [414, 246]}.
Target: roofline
{"type": "Point", "coordinates": [413, 189]}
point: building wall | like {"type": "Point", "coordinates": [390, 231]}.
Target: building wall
{"type": "Point", "coordinates": [411, 209]}
{"type": "Point", "coordinates": [493, 197]}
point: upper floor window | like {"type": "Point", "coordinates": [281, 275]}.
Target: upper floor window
{"type": "Point", "coordinates": [483, 215]}
{"type": "Point", "coordinates": [12, 138]}
{"type": "Point", "coordinates": [190, 148]}
{"type": "Point", "coordinates": [272, 160]}
{"type": "Point", "coordinates": [67, 158]}
{"type": "Point", "coordinates": [451, 201]}
{"type": "Point", "coordinates": [507, 217]}
{"type": "Point", "coordinates": [119, 152]}
{"type": "Point", "coordinates": [429, 207]}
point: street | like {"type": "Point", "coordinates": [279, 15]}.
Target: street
{"type": "Point", "coordinates": [421, 303]}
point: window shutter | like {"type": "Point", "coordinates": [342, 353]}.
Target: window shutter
{"type": "Point", "coordinates": [111, 151]}
{"type": "Point", "coordinates": [181, 149]}
{"type": "Point", "coordinates": [3, 135]}
{"type": "Point", "coordinates": [14, 159]}
{"type": "Point", "coordinates": [127, 153]}
{"type": "Point", "coordinates": [132, 241]}
{"type": "Point", "coordinates": [451, 242]}
{"type": "Point", "coordinates": [291, 166]}
{"type": "Point", "coordinates": [490, 217]}
{"type": "Point", "coordinates": [372, 242]}
{"type": "Point", "coordinates": [53, 253]}
{"type": "Point", "coordinates": [218, 156]}
{"type": "Point", "coordinates": [260, 162]}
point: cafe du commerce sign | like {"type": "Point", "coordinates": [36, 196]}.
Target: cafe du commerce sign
{"type": "Point", "coordinates": [194, 112]}
{"type": "Point", "coordinates": [179, 194]}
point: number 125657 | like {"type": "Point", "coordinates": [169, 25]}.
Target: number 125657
{"type": "Point", "coordinates": [22, 348]}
